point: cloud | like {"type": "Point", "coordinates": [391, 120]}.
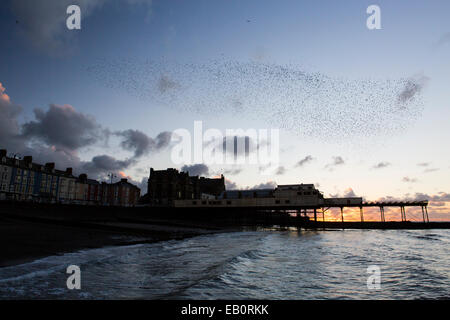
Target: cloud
{"type": "Point", "coordinates": [142, 184]}
{"type": "Point", "coordinates": [104, 164]}
{"type": "Point", "coordinates": [3, 95]}
{"type": "Point", "coordinates": [431, 170]}
{"type": "Point", "coordinates": [304, 161]}
{"type": "Point", "coordinates": [281, 170]}
{"type": "Point", "coordinates": [337, 161]}
{"type": "Point", "coordinates": [196, 169]}
{"type": "Point", "coordinates": [267, 185]}
{"type": "Point", "coordinates": [348, 193]}
{"type": "Point", "coordinates": [42, 154]}
{"type": "Point", "coordinates": [43, 23]}
{"type": "Point", "coordinates": [60, 133]}
{"type": "Point", "coordinates": [142, 144]}
{"type": "Point", "coordinates": [12, 138]}
{"type": "Point", "coordinates": [230, 185]}
{"type": "Point", "coordinates": [423, 164]}
{"type": "Point", "coordinates": [441, 196]}
{"type": "Point", "coordinates": [232, 171]}
{"type": "Point", "coordinates": [408, 179]}
{"type": "Point", "coordinates": [381, 165]}
{"type": "Point", "coordinates": [412, 88]}
{"type": "Point", "coordinates": [64, 128]}
{"type": "Point", "coordinates": [438, 204]}
{"type": "Point", "coordinates": [434, 199]}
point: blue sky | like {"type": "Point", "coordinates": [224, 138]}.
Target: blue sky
{"type": "Point", "coordinates": [43, 63]}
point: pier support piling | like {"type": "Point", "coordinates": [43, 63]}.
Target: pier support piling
{"type": "Point", "coordinates": [362, 213]}
{"type": "Point", "coordinates": [382, 214]}
{"type": "Point", "coordinates": [403, 212]}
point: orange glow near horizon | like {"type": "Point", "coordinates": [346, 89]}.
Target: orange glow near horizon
{"type": "Point", "coordinates": [435, 213]}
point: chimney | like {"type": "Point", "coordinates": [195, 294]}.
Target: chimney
{"type": "Point", "coordinates": [28, 159]}
{"type": "Point", "coordinates": [69, 171]}
{"type": "Point", "coordinates": [83, 176]}
{"type": "Point", "coordinates": [50, 165]}
{"type": "Point", "coordinates": [2, 153]}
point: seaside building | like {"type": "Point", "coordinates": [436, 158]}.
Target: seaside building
{"type": "Point", "coordinates": [166, 186]}
{"type": "Point", "coordinates": [23, 180]}
{"type": "Point", "coordinates": [281, 196]}
{"type": "Point", "coordinates": [208, 186]}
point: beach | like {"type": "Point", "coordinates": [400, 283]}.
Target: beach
{"type": "Point", "coordinates": [28, 235]}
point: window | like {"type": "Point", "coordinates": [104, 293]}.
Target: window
{"type": "Point", "coordinates": [194, 202]}
{"type": "Point", "coordinates": [277, 201]}
{"type": "Point", "coordinates": [203, 202]}
{"type": "Point", "coordinates": [287, 201]}
{"type": "Point", "coordinates": [228, 202]}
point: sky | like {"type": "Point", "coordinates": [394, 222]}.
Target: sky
{"type": "Point", "coordinates": [360, 112]}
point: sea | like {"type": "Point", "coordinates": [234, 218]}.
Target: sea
{"type": "Point", "coordinates": [251, 264]}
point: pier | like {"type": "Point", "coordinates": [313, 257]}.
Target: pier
{"type": "Point", "coordinates": [381, 205]}
{"type": "Point", "coordinates": [300, 204]}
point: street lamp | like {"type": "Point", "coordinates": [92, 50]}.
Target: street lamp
{"type": "Point", "coordinates": [111, 176]}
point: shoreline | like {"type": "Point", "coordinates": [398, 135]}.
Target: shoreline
{"type": "Point", "coordinates": [25, 241]}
